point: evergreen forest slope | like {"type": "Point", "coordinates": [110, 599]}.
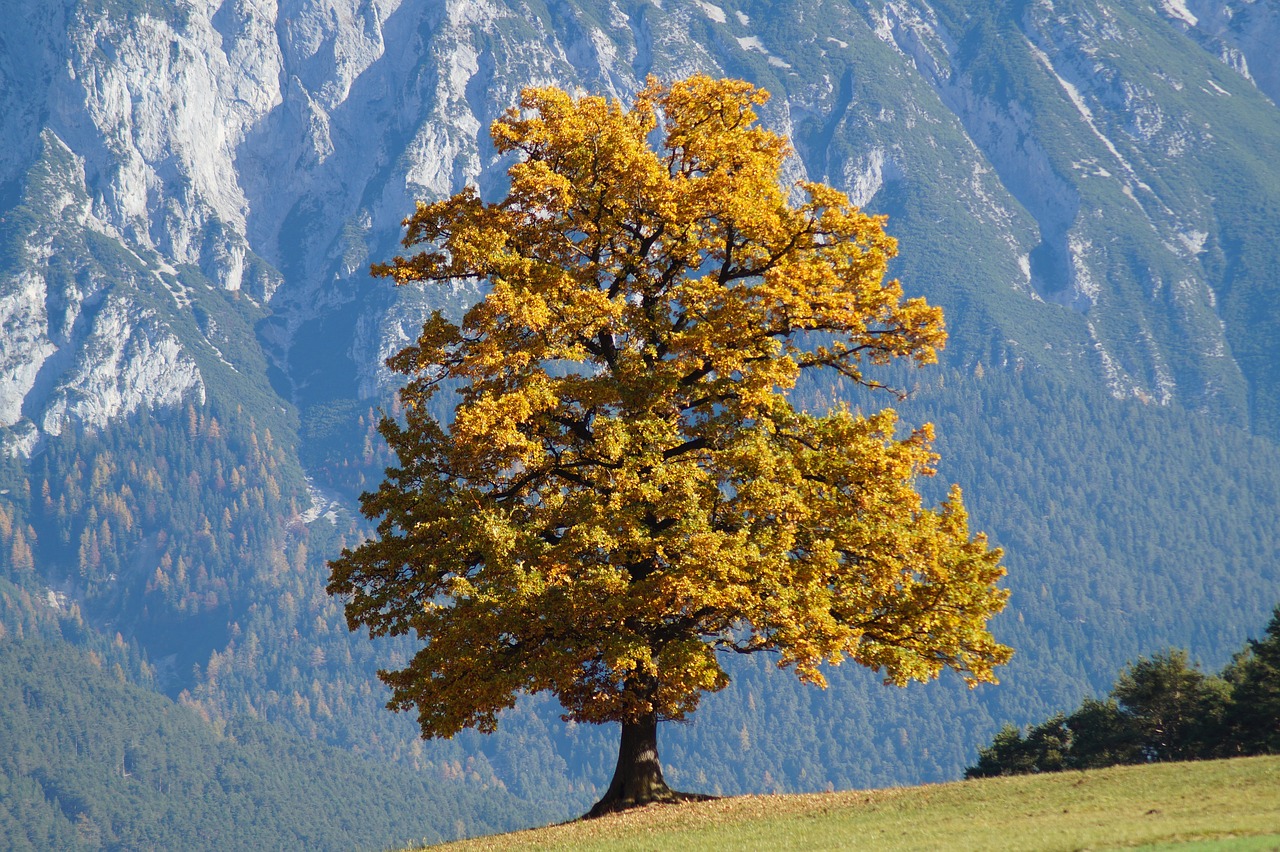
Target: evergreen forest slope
{"type": "Point", "coordinates": [93, 762]}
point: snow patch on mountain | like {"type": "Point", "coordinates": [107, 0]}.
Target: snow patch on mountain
{"type": "Point", "coordinates": [1178, 9]}
{"type": "Point", "coordinates": [712, 11]}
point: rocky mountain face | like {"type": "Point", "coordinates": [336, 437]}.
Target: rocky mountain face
{"type": "Point", "coordinates": [274, 147]}
{"type": "Point", "coordinates": [191, 193]}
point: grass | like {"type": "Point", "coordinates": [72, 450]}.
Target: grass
{"type": "Point", "coordinates": [1222, 804]}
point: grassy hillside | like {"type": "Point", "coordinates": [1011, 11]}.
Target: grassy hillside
{"type": "Point", "coordinates": [1229, 804]}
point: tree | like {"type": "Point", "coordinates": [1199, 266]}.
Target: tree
{"type": "Point", "coordinates": [624, 491]}
{"type": "Point", "coordinates": [1253, 714]}
{"type": "Point", "coordinates": [1102, 735]}
{"type": "Point", "coordinates": [1162, 708]}
{"type": "Point", "coordinates": [1174, 710]}
{"type": "Point", "coordinates": [1045, 749]}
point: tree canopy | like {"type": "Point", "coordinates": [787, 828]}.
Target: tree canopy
{"type": "Point", "coordinates": [1160, 708]}
{"type": "Point", "coordinates": [624, 490]}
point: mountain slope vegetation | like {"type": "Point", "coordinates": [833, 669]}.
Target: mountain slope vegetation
{"type": "Point", "coordinates": [93, 762]}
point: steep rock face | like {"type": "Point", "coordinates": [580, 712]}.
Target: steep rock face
{"type": "Point", "coordinates": [1241, 33]}
{"type": "Point", "coordinates": [26, 345]}
{"type": "Point", "coordinates": [157, 111]}
{"type": "Point", "coordinates": [1072, 131]}
{"type": "Point", "coordinates": [128, 360]}
{"type": "Point", "coordinates": [277, 145]}
{"type": "Point", "coordinates": [78, 341]}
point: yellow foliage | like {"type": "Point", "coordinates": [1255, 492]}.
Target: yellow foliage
{"type": "Point", "coordinates": [625, 489]}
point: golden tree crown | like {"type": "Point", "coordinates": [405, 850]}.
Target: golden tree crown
{"type": "Point", "coordinates": [624, 490]}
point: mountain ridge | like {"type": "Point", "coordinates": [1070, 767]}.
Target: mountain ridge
{"type": "Point", "coordinates": [204, 187]}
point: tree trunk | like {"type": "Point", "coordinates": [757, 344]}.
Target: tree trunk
{"type": "Point", "coordinates": [637, 780]}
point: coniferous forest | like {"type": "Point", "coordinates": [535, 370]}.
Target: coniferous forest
{"type": "Point", "coordinates": [1161, 708]}
{"type": "Point", "coordinates": [289, 669]}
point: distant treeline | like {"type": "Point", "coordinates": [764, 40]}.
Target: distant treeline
{"type": "Point", "coordinates": [1162, 708]}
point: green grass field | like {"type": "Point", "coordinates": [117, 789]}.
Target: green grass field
{"type": "Point", "coordinates": [1221, 804]}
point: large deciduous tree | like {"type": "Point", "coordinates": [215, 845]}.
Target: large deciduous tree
{"type": "Point", "coordinates": [624, 491]}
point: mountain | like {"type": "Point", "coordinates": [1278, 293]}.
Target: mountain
{"type": "Point", "coordinates": [191, 356]}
